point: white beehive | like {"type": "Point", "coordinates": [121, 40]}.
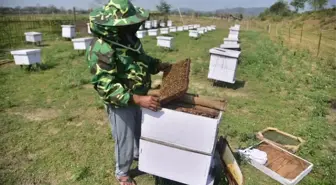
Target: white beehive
{"type": "Point", "coordinates": [209, 28]}
{"type": "Point", "coordinates": [148, 24]}
{"type": "Point", "coordinates": [153, 32]}
{"type": "Point", "coordinates": [68, 31]}
{"type": "Point", "coordinates": [186, 27]}
{"type": "Point", "coordinates": [88, 27]}
{"type": "Point", "coordinates": [237, 26]}
{"type": "Point", "coordinates": [34, 37]}
{"type": "Point", "coordinates": [234, 31]}
{"type": "Point", "coordinates": [27, 56]}
{"type": "Point", "coordinates": [82, 43]}
{"type": "Point", "coordinates": [193, 33]}
{"type": "Point", "coordinates": [162, 24]}
{"type": "Point", "coordinates": [213, 27]}
{"type": "Point", "coordinates": [230, 46]}
{"type": "Point", "coordinates": [141, 34]}
{"type": "Point", "coordinates": [180, 28]}
{"type": "Point", "coordinates": [164, 31]}
{"type": "Point", "coordinates": [190, 27]}
{"type": "Point", "coordinates": [169, 23]}
{"type": "Point", "coordinates": [154, 23]}
{"type": "Point", "coordinates": [205, 29]}
{"type": "Point", "coordinates": [233, 36]}
{"type": "Point", "coordinates": [166, 42]}
{"type": "Point", "coordinates": [223, 65]}
{"type": "Point", "coordinates": [178, 146]}
{"type": "Point", "coordinates": [172, 29]}
{"type": "Point", "coordinates": [231, 40]}
{"type": "Point", "coordinates": [200, 30]}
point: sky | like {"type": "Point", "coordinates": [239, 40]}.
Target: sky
{"type": "Point", "coordinates": [150, 4]}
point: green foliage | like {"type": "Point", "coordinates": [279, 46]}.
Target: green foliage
{"type": "Point", "coordinates": [318, 4]}
{"type": "Point", "coordinates": [279, 8]}
{"type": "Point", "coordinates": [298, 4]}
{"type": "Point", "coordinates": [164, 7]}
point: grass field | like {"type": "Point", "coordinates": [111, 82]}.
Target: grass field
{"type": "Point", "coordinates": [54, 129]}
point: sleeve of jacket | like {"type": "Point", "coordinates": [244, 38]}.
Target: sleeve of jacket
{"type": "Point", "coordinates": [152, 63]}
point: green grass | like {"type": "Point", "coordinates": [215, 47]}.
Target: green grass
{"type": "Point", "coordinates": [54, 130]}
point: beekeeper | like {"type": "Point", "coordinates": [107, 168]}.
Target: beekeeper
{"type": "Point", "coordinates": [122, 76]}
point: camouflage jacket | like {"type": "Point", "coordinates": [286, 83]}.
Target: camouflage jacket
{"type": "Point", "coordinates": [118, 73]}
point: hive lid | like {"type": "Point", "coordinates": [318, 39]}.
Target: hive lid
{"type": "Point", "coordinates": [68, 26]}
{"type": "Point", "coordinates": [25, 51]}
{"type": "Point", "coordinates": [231, 39]}
{"type": "Point", "coordinates": [164, 38]}
{"type": "Point", "coordinates": [175, 81]}
{"type": "Point", "coordinates": [230, 46]}
{"type": "Point", "coordinates": [225, 52]}
{"type": "Point", "coordinates": [33, 33]}
{"type": "Point", "coordinates": [281, 165]}
{"type": "Point", "coordinates": [82, 39]}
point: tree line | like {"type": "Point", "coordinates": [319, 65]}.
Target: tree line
{"type": "Point", "coordinates": [51, 9]}
{"type": "Point", "coordinates": [281, 8]}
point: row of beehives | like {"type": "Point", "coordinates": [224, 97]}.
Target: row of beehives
{"type": "Point", "coordinates": [154, 24]}
{"type": "Point", "coordinates": [224, 60]}
{"type": "Point", "coordinates": [168, 42]}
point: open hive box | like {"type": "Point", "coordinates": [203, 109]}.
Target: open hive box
{"type": "Point", "coordinates": [281, 139]}
{"type": "Point", "coordinates": [178, 142]}
{"type": "Point", "coordinates": [282, 166]}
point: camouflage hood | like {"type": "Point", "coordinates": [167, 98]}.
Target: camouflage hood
{"type": "Point", "coordinates": [118, 13]}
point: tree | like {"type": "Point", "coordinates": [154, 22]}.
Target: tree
{"type": "Point", "coordinates": [280, 8]}
{"type": "Point", "coordinates": [164, 8]}
{"type": "Point", "coordinates": [318, 4]}
{"type": "Point", "coordinates": [298, 4]}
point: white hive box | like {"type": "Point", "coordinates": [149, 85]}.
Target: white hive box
{"type": "Point", "coordinates": [88, 27]}
{"type": "Point", "coordinates": [166, 42]}
{"type": "Point", "coordinates": [278, 177]}
{"type": "Point", "coordinates": [213, 27]}
{"type": "Point", "coordinates": [27, 56]}
{"type": "Point", "coordinates": [180, 28]}
{"type": "Point", "coordinates": [154, 23]}
{"type": "Point", "coordinates": [237, 26]}
{"type": "Point", "coordinates": [175, 164]}
{"type": "Point", "coordinates": [169, 23]}
{"type": "Point", "coordinates": [194, 26]}
{"type": "Point", "coordinates": [234, 31]}
{"type": "Point", "coordinates": [68, 31]}
{"type": "Point", "coordinates": [82, 43]}
{"type": "Point", "coordinates": [198, 25]}
{"type": "Point", "coordinates": [178, 146]}
{"type": "Point", "coordinates": [186, 27]}
{"type": "Point", "coordinates": [148, 24]}
{"type": "Point", "coordinates": [34, 37]}
{"type": "Point", "coordinates": [190, 27]}
{"type": "Point", "coordinates": [141, 34]}
{"type": "Point", "coordinates": [209, 28]}
{"type": "Point", "coordinates": [162, 24]}
{"type": "Point", "coordinates": [164, 31]}
{"type": "Point", "coordinates": [223, 65]}
{"type": "Point", "coordinates": [230, 46]}
{"type": "Point", "coordinates": [231, 40]}
{"type": "Point", "coordinates": [153, 32]}
{"type": "Point", "coordinates": [172, 29]}
{"type": "Point", "coordinates": [200, 30]}
{"type": "Point", "coordinates": [233, 36]}
{"type": "Point", "coordinates": [205, 29]}
{"type": "Point", "coordinates": [193, 33]}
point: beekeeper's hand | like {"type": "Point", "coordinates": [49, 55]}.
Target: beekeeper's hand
{"type": "Point", "coordinates": [148, 102]}
{"type": "Point", "coordinates": [164, 66]}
